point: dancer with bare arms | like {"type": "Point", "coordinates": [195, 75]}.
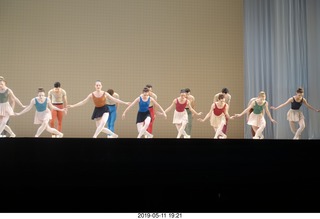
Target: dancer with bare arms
{"type": "Point", "coordinates": [295, 115]}
{"type": "Point", "coordinates": [43, 114]}
{"type": "Point", "coordinates": [7, 104]}
{"type": "Point", "coordinates": [218, 114]}
{"type": "Point", "coordinates": [180, 116]}
{"type": "Point", "coordinates": [143, 117]}
{"type": "Point", "coordinates": [101, 111]}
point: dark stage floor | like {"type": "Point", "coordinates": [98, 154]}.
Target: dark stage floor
{"type": "Point", "coordinates": [159, 175]}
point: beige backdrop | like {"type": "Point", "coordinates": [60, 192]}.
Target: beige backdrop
{"type": "Point", "coordinates": [171, 44]}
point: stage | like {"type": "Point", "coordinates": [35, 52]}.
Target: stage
{"type": "Point", "coordinates": [159, 175]}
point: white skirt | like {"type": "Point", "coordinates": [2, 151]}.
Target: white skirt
{"type": "Point", "coordinates": [179, 117]}
{"type": "Point", "coordinates": [6, 109]}
{"type": "Point", "coordinates": [43, 116]}
{"type": "Point", "coordinates": [294, 115]}
{"type": "Point", "coordinates": [215, 120]}
{"type": "Point", "coordinates": [256, 120]}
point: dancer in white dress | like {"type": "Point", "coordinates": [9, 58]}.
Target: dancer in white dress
{"type": "Point", "coordinates": [43, 113]}
{"type": "Point", "coordinates": [294, 114]}
{"type": "Point", "coordinates": [218, 113]}
{"type": "Point", "coordinates": [180, 116]}
{"type": "Point", "coordinates": [7, 104]}
{"type": "Point", "coordinates": [256, 118]}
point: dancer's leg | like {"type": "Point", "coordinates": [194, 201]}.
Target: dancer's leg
{"type": "Point", "coordinates": [302, 125]}
{"type": "Point", "coordinates": [219, 131]}
{"type": "Point", "coordinates": [8, 129]}
{"type": "Point", "coordinates": [3, 122]}
{"type": "Point", "coordinates": [42, 127]}
{"type": "Point", "coordinates": [100, 124]}
{"type": "Point", "coordinates": [54, 131]}
{"type": "Point", "coordinates": [142, 128]}
{"type": "Point", "coordinates": [181, 129]}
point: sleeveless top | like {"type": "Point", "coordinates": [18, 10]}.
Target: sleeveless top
{"type": "Point", "coordinates": [99, 101]}
{"type": "Point", "coordinates": [40, 107]}
{"type": "Point", "coordinates": [144, 106]}
{"type": "Point", "coordinates": [296, 105]}
{"type": "Point", "coordinates": [257, 109]}
{"type": "Point", "coordinates": [57, 97]}
{"type": "Point", "coordinates": [4, 96]}
{"type": "Point", "coordinates": [180, 107]}
{"type": "Point", "coordinates": [217, 111]}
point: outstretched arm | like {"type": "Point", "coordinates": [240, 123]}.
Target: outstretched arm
{"type": "Point", "coordinates": [51, 106]}
{"type": "Point", "coordinates": [28, 108]}
{"type": "Point", "coordinates": [158, 105]}
{"type": "Point", "coordinates": [15, 100]}
{"type": "Point", "coordinates": [282, 105]}
{"type": "Point", "coordinates": [208, 114]}
{"type": "Point", "coordinates": [117, 100]}
{"type": "Point", "coordinates": [81, 102]}
{"type": "Point", "coordinates": [309, 106]}
{"type": "Point", "coordinates": [130, 105]}
{"type": "Point", "coordinates": [246, 110]}
{"type": "Point", "coordinates": [170, 107]}
{"type": "Point", "coordinates": [192, 110]}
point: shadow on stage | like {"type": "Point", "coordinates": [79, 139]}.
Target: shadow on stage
{"type": "Point", "coordinates": [159, 175]}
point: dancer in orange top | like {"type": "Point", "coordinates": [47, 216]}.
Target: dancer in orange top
{"type": "Point", "coordinates": [101, 111]}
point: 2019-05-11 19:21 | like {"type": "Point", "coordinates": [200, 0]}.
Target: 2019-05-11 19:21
{"type": "Point", "coordinates": [159, 215]}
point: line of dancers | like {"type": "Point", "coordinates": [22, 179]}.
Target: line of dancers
{"type": "Point", "coordinates": [55, 105]}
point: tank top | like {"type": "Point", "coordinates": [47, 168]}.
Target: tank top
{"type": "Point", "coordinates": [257, 109]}
{"type": "Point", "coordinates": [217, 111]}
{"type": "Point", "coordinates": [40, 107]}
{"type": "Point", "coordinates": [296, 105]}
{"type": "Point", "coordinates": [57, 97]}
{"type": "Point", "coordinates": [180, 107]}
{"type": "Point", "coordinates": [99, 101]}
{"type": "Point", "coordinates": [144, 105]}
{"type": "Point", "coordinates": [4, 96]}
